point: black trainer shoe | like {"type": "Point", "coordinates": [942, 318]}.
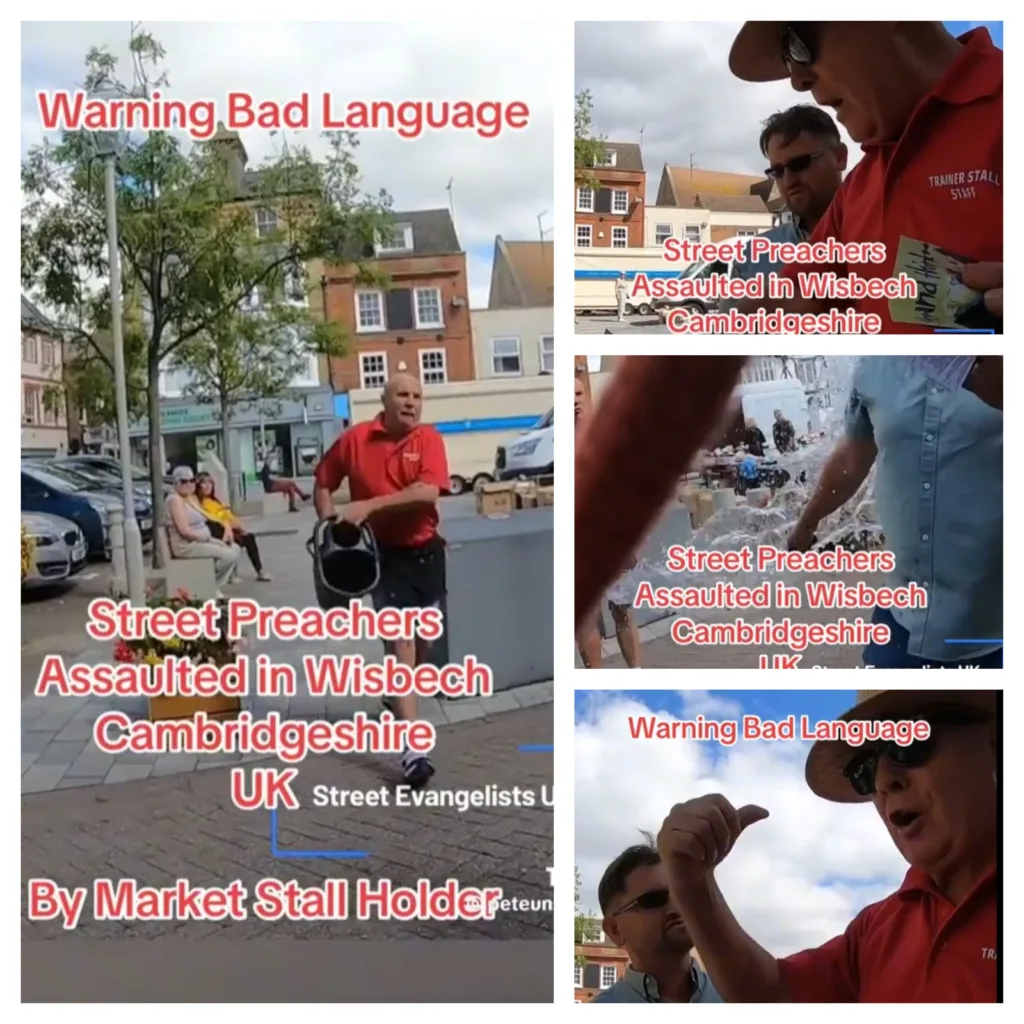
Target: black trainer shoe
{"type": "Point", "coordinates": [417, 772]}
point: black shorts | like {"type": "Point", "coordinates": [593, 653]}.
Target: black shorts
{"type": "Point", "coordinates": [412, 577]}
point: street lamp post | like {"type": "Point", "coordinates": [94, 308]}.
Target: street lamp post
{"type": "Point", "coordinates": [107, 145]}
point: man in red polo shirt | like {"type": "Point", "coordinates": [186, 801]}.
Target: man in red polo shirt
{"type": "Point", "coordinates": [396, 468]}
{"type": "Point", "coordinates": [932, 941]}
{"type": "Point", "coordinates": [927, 109]}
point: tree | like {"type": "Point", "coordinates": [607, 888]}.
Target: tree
{"type": "Point", "coordinates": [187, 237]}
{"type": "Point", "coordinates": [250, 355]}
{"type": "Point", "coordinates": [585, 926]}
{"type": "Point", "coordinates": [590, 150]}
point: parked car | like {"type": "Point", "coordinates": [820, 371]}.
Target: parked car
{"type": "Point", "coordinates": [143, 504]}
{"type": "Point", "coordinates": [105, 478]}
{"type": "Point", "coordinates": [60, 548]}
{"type": "Point", "coordinates": [531, 455]}
{"type": "Point", "coordinates": [112, 466]}
{"type": "Point", "coordinates": [48, 488]}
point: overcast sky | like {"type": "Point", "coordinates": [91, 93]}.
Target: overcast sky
{"type": "Point", "coordinates": [500, 185]}
{"type": "Point", "coordinates": [795, 880]}
{"type": "Point", "coordinates": [672, 79]}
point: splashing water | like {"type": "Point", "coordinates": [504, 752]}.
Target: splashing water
{"type": "Point", "coordinates": [852, 526]}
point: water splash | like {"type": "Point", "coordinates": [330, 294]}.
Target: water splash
{"type": "Point", "coordinates": [853, 526]}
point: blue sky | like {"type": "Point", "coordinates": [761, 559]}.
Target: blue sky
{"type": "Point", "coordinates": [794, 880]}
{"type": "Point", "coordinates": [995, 29]}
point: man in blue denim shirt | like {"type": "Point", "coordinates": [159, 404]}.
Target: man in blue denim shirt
{"type": "Point", "coordinates": [807, 158]}
{"type": "Point", "coordinates": [935, 438]}
{"type": "Point", "coordinates": [640, 917]}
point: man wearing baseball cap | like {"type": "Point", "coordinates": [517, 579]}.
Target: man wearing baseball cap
{"type": "Point", "coordinates": [932, 941]}
{"type": "Point", "coordinates": [927, 109]}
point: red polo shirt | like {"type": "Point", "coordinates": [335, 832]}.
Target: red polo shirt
{"type": "Point", "coordinates": [913, 947]}
{"type": "Point", "coordinates": [941, 182]}
{"type": "Point", "coordinates": [377, 464]}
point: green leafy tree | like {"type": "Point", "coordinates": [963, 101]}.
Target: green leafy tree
{"type": "Point", "coordinates": [249, 355]}
{"type": "Point", "coordinates": [590, 150]}
{"type": "Point", "coordinates": [187, 237]}
{"type": "Point", "coordinates": [585, 926]}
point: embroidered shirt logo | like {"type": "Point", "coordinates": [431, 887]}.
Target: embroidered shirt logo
{"type": "Point", "coordinates": [961, 184]}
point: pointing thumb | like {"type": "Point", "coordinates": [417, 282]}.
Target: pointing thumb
{"type": "Point", "coordinates": [750, 814]}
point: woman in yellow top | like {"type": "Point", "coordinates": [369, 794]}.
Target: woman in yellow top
{"type": "Point", "coordinates": [225, 525]}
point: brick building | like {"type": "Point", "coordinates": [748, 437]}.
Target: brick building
{"type": "Point", "coordinates": [44, 426]}
{"type": "Point", "coordinates": [709, 206]}
{"type": "Point", "coordinates": [612, 214]}
{"type": "Point", "coordinates": [419, 324]}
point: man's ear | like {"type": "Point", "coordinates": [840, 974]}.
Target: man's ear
{"type": "Point", "coordinates": [842, 156]}
{"type": "Point", "coordinates": [610, 926]}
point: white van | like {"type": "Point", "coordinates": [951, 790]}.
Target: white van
{"type": "Point", "coordinates": [597, 270]}
{"type": "Point", "coordinates": [530, 455]}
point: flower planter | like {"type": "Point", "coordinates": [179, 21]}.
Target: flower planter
{"type": "Point", "coordinates": [166, 708]}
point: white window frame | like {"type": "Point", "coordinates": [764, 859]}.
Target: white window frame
{"type": "Point", "coordinates": [363, 372]}
{"type": "Point", "coordinates": [577, 977]}
{"type": "Point", "coordinates": [541, 353]}
{"type": "Point", "coordinates": [589, 243]}
{"type": "Point", "coordinates": [662, 232]}
{"type": "Point", "coordinates": [46, 353]}
{"type": "Point", "coordinates": [609, 160]}
{"type": "Point", "coordinates": [268, 225]}
{"type": "Point", "coordinates": [423, 369]}
{"type": "Point", "coordinates": [616, 192]}
{"type": "Point", "coordinates": [581, 193]}
{"type": "Point", "coordinates": [423, 325]}
{"type": "Point", "coordinates": [620, 231]}
{"type": "Point", "coordinates": [373, 328]}
{"type": "Point", "coordinates": [746, 233]}
{"type": "Point", "coordinates": [688, 232]}
{"type": "Point", "coordinates": [390, 246]}
{"type": "Point", "coordinates": [495, 372]}
{"type": "Point", "coordinates": [615, 978]}
{"type": "Point", "coordinates": [31, 403]}
{"type": "Point", "coordinates": [31, 343]}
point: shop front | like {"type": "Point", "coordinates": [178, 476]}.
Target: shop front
{"type": "Point", "coordinates": [292, 432]}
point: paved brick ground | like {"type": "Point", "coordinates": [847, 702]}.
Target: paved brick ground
{"type": "Point", "coordinates": [660, 651]}
{"type": "Point", "coordinates": [186, 826]}
{"type": "Point", "coordinates": [631, 325]}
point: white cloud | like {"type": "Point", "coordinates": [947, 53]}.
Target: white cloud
{"type": "Point", "coordinates": [500, 186]}
{"type": "Point", "coordinates": [794, 881]}
{"type": "Point", "coordinates": [672, 79]}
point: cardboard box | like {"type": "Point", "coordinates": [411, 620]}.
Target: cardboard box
{"type": "Point", "coordinates": [545, 496]}
{"type": "Point", "coordinates": [705, 508]}
{"type": "Point", "coordinates": [495, 499]}
{"type": "Point", "coordinates": [525, 495]}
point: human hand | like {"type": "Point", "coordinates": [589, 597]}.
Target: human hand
{"type": "Point", "coordinates": [697, 836]}
{"type": "Point", "coordinates": [988, 279]}
{"type": "Point", "coordinates": [356, 512]}
{"type": "Point", "coordinates": [801, 538]}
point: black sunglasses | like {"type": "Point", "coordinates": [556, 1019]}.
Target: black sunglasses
{"type": "Point", "coordinates": [863, 767]}
{"type": "Point", "coordinates": [653, 900]}
{"type": "Point", "coordinates": [796, 165]}
{"type": "Point", "coordinates": [799, 45]}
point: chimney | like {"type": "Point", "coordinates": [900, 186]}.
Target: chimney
{"type": "Point", "coordinates": [228, 146]}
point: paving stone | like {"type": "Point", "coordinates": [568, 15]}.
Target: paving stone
{"type": "Point", "coordinates": [77, 730]}
{"type": "Point", "coordinates": [53, 721]}
{"type": "Point", "coordinates": [464, 710]}
{"type": "Point", "coordinates": [171, 764]}
{"type": "Point", "coordinates": [61, 753]}
{"type": "Point", "coordinates": [41, 778]}
{"type": "Point", "coordinates": [68, 782]}
{"type": "Point", "coordinates": [33, 742]}
{"type": "Point", "coordinates": [127, 773]}
{"type": "Point", "coordinates": [27, 760]}
{"type": "Point", "coordinates": [536, 693]}
{"type": "Point", "coordinates": [499, 703]}
{"type": "Point", "coordinates": [91, 763]}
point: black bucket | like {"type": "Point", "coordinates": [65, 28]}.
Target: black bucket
{"type": "Point", "coordinates": [346, 563]}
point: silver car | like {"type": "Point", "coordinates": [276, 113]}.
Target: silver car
{"type": "Point", "coordinates": [59, 548]}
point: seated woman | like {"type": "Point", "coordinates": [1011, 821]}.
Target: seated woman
{"type": "Point", "coordinates": [189, 534]}
{"type": "Point", "coordinates": [225, 525]}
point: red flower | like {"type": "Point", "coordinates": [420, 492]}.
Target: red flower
{"type": "Point", "coordinates": [123, 652]}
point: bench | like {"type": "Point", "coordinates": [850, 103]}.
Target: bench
{"type": "Point", "coordinates": [193, 575]}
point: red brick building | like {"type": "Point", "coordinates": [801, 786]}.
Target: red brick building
{"type": "Point", "coordinates": [419, 324]}
{"type": "Point", "coordinates": [612, 215]}
{"type": "Point", "coordinates": [599, 964]}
